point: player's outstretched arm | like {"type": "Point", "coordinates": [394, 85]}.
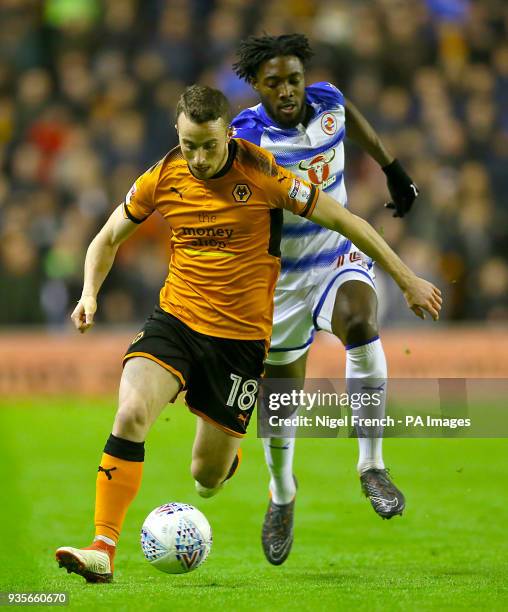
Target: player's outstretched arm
{"type": "Point", "coordinates": [420, 294]}
{"type": "Point", "coordinates": [360, 131]}
{"type": "Point", "coordinates": [400, 185]}
{"type": "Point", "coordinates": [99, 259]}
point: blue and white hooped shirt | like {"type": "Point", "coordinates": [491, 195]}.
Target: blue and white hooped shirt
{"type": "Point", "coordinates": [316, 153]}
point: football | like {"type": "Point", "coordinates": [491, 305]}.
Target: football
{"type": "Point", "coordinates": [176, 538]}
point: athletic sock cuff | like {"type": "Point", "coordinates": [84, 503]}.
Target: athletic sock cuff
{"type": "Point", "coordinates": [125, 449]}
{"type": "Point", "coordinates": [348, 347]}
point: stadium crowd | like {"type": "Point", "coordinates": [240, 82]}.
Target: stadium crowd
{"type": "Point", "coordinates": [87, 96]}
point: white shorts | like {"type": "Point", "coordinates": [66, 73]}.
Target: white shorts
{"type": "Point", "coordinates": [299, 313]}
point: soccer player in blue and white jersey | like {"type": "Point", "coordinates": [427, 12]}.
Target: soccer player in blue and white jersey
{"type": "Point", "coordinates": [326, 283]}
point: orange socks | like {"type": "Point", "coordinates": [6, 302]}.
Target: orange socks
{"type": "Point", "coordinates": [118, 481]}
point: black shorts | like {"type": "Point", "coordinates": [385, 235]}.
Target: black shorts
{"type": "Point", "coordinates": [220, 375]}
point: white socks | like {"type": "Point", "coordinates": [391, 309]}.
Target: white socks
{"type": "Point", "coordinates": [364, 364]}
{"type": "Point", "coordinates": [279, 458]}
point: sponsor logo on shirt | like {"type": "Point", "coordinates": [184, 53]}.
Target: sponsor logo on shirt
{"type": "Point", "coordinates": [318, 169]}
{"type": "Point", "coordinates": [202, 236]}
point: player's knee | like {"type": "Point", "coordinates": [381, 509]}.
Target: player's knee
{"type": "Point", "coordinates": [132, 417]}
{"type": "Point", "coordinates": [207, 475]}
{"type": "Point", "coordinates": [359, 327]}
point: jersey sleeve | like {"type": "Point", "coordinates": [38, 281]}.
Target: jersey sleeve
{"type": "Point", "coordinates": [247, 126]}
{"type": "Point", "coordinates": [286, 190]}
{"type": "Point", "coordinates": [139, 202]}
{"type": "Point", "coordinates": [337, 94]}
{"type": "Point", "coordinates": [325, 93]}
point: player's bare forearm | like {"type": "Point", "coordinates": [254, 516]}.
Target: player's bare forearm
{"type": "Point", "coordinates": [332, 215]}
{"type": "Point", "coordinates": [363, 134]}
{"type": "Point", "coordinates": [99, 259]}
{"type": "Point", "coordinates": [102, 250]}
{"type": "Point", "coordinates": [98, 262]}
{"type": "Point", "coordinates": [420, 294]}
{"type": "Point", "coordinates": [365, 237]}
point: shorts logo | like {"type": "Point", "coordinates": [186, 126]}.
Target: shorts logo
{"type": "Point", "coordinates": [242, 192]}
{"type": "Point", "coordinates": [299, 191]}
{"type": "Point", "coordinates": [138, 337]}
{"type": "Point", "coordinates": [318, 169]}
{"type": "Point", "coordinates": [328, 124]}
{"type": "Point", "coordinates": [243, 418]}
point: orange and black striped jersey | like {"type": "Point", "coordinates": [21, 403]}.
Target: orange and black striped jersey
{"type": "Point", "coordinates": [225, 235]}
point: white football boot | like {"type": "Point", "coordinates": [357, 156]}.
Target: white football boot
{"type": "Point", "coordinates": [95, 563]}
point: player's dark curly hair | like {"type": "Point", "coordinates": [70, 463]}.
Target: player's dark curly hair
{"type": "Point", "coordinates": [255, 50]}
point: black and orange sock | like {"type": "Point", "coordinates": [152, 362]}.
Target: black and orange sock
{"type": "Point", "coordinates": [118, 481]}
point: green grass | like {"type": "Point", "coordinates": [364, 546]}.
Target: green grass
{"type": "Point", "coordinates": [449, 551]}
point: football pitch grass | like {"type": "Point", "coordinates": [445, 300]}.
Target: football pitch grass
{"type": "Point", "coordinates": [448, 551]}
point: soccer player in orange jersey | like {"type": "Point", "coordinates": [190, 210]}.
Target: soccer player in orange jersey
{"type": "Point", "coordinates": [223, 199]}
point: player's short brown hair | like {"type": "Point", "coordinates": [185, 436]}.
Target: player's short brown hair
{"type": "Point", "coordinates": [200, 103]}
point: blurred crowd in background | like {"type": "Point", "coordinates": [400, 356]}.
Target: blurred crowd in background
{"type": "Point", "coordinates": [87, 96]}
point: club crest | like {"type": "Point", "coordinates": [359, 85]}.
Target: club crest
{"type": "Point", "coordinates": [328, 124]}
{"type": "Point", "coordinates": [242, 193]}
